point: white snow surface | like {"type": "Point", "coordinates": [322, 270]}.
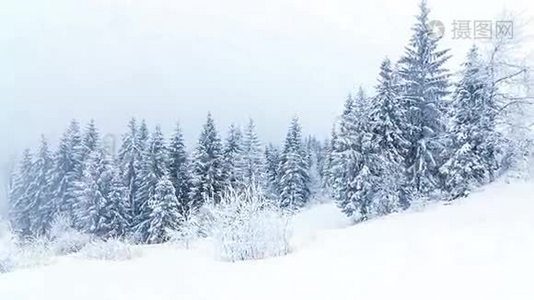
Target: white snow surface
{"type": "Point", "coordinates": [480, 247]}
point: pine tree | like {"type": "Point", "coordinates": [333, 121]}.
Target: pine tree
{"type": "Point", "coordinates": [233, 158]}
{"type": "Point", "coordinates": [388, 118]}
{"type": "Point", "coordinates": [314, 152]}
{"type": "Point", "coordinates": [142, 136]}
{"type": "Point", "coordinates": [142, 142]}
{"type": "Point", "coordinates": [253, 163]}
{"type": "Point", "coordinates": [116, 221]}
{"type": "Point", "coordinates": [153, 169]}
{"type": "Point", "coordinates": [20, 198]}
{"type": "Point", "coordinates": [67, 170]}
{"type": "Point", "coordinates": [328, 166]}
{"type": "Point", "coordinates": [91, 194]}
{"type": "Point", "coordinates": [472, 133]}
{"type": "Point", "coordinates": [164, 216]}
{"type": "Point", "coordinates": [355, 168]}
{"type": "Point", "coordinates": [343, 156]}
{"type": "Point", "coordinates": [272, 160]}
{"type": "Point", "coordinates": [91, 139]}
{"type": "Point", "coordinates": [42, 213]}
{"type": "Point", "coordinates": [208, 177]}
{"type": "Point", "coordinates": [179, 171]}
{"type": "Point", "coordinates": [425, 85]}
{"type": "Point", "coordinates": [294, 170]}
{"type": "Point", "coordinates": [130, 161]}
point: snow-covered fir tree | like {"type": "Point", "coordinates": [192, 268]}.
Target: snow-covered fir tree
{"type": "Point", "coordinates": [117, 218]}
{"type": "Point", "coordinates": [143, 136]}
{"type": "Point", "coordinates": [67, 170]}
{"type": "Point", "coordinates": [344, 140]}
{"type": "Point", "coordinates": [165, 216]}
{"type": "Point", "coordinates": [472, 133]}
{"type": "Point", "coordinates": [388, 116]}
{"type": "Point", "coordinates": [315, 156]}
{"type": "Point", "coordinates": [253, 162]}
{"type": "Point", "coordinates": [142, 141]}
{"type": "Point", "coordinates": [91, 139]}
{"type": "Point", "coordinates": [155, 161]}
{"type": "Point", "coordinates": [233, 157]}
{"type": "Point", "coordinates": [208, 176]}
{"type": "Point", "coordinates": [354, 168]}
{"type": "Point", "coordinates": [426, 84]}
{"type": "Point", "coordinates": [129, 160]}
{"type": "Point", "coordinates": [20, 196]}
{"type": "Point", "coordinates": [179, 171]}
{"type": "Point", "coordinates": [41, 214]}
{"type": "Point", "coordinates": [327, 170]}
{"type": "Point", "coordinates": [387, 120]}
{"type": "Point", "coordinates": [294, 182]}
{"type": "Point", "coordinates": [272, 162]}
{"type": "Point", "coordinates": [91, 193]}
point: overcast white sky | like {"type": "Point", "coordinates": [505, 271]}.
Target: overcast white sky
{"type": "Point", "coordinates": [170, 61]}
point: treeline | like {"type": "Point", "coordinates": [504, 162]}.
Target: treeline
{"type": "Point", "coordinates": [422, 135]}
{"type": "Point", "coordinates": [151, 185]}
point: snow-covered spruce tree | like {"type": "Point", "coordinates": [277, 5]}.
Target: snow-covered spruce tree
{"type": "Point", "coordinates": [116, 221]}
{"type": "Point", "coordinates": [272, 161]}
{"type": "Point", "coordinates": [355, 167]}
{"type": "Point", "coordinates": [387, 125]}
{"type": "Point", "coordinates": [253, 163]}
{"type": "Point", "coordinates": [67, 170]}
{"type": "Point", "coordinates": [327, 170]}
{"type": "Point", "coordinates": [179, 172]}
{"type": "Point", "coordinates": [91, 139]}
{"type": "Point", "coordinates": [294, 170]}
{"type": "Point", "coordinates": [314, 152]}
{"type": "Point", "coordinates": [143, 136]}
{"type": "Point", "coordinates": [165, 217]}
{"type": "Point", "coordinates": [42, 214]}
{"type": "Point", "coordinates": [130, 161]}
{"type": "Point", "coordinates": [323, 160]}
{"type": "Point", "coordinates": [339, 144]}
{"type": "Point", "coordinates": [472, 132]}
{"type": "Point", "coordinates": [343, 156]}
{"type": "Point", "coordinates": [208, 176]}
{"type": "Point", "coordinates": [233, 157]}
{"type": "Point", "coordinates": [425, 83]}
{"type": "Point", "coordinates": [21, 201]}
{"type": "Point", "coordinates": [153, 169]}
{"type": "Point", "coordinates": [91, 193]}
{"type": "Point", "coordinates": [142, 142]}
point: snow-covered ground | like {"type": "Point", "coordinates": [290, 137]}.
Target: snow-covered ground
{"type": "Point", "coordinates": [481, 247]}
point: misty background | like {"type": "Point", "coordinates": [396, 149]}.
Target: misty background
{"type": "Point", "coordinates": [170, 61]}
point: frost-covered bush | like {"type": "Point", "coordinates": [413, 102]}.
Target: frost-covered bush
{"type": "Point", "coordinates": [112, 249]}
{"type": "Point", "coordinates": [65, 239]}
{"type": "Point", "coordinates": [194, 226]}
{"type": "Point", "coordinates": [8, 248]}
{"type": "Point", "coordinates": [33, 253]}
{"type": "Point", "coordinates": [246, 225]}
{"type": "Point", "coordinates": [15, 254]}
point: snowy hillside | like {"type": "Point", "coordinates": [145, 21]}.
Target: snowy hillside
{"type": "Point", "coordinates": [481, 247]}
